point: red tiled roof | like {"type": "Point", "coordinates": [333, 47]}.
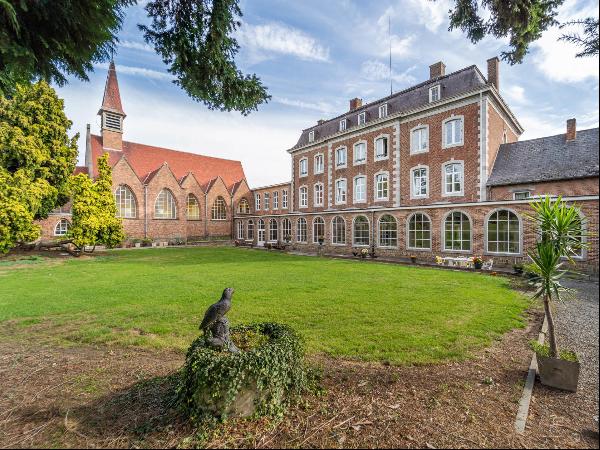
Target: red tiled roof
{"type": "Point", "coordinates": [145, 159]}
{"type": "Point", "coordinates": [112, 98]}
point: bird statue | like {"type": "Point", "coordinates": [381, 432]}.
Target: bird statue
{"type": "Point", "coordinates": [217, 310]}
{"type": "Point", "coordinates": [217, 325]}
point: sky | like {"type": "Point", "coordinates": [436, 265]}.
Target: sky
{"type": "Point", "coordinates": [314, 56]}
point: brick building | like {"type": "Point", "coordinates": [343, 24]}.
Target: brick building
{"type": "Point", "coordinates": [434, 170]}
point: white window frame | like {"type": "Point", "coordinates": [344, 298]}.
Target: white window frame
{"type": "Point", "coordinates": [286, 229]}
{"type": "Point", "coordinates": [362, 161]}
{"type": "Point", "coordinates": [437, 88]}
{"type": "Point", "coordinates": [333, 235]}
{"type": "Point", "coordinates": [338, 201]}
{"type": "Point", "coordinates": [443, 232]}
{"type": "Point", "coordinates": [343, 125]}
{"type": "Point", "coordinates": [383, 110]}
{"type": "Point", "coordinates": [413, 195]}
{"type": "Point", "coordinates": [192, 197]}
{"type": "Point", "coordinates": [298, 228]}
{"type": "Point", "coordinates": [172, 204]}
{"type": "Point", "coordinates": [315, 236]}
{"type": "Point", "coordinates": [354, 198]}
{"type": "Point", "coordinates": [387, 143]}
{"type": "Point", "coordinates": [361, 118]}
{"type": "Point", "coordinates": [271, 228]}
{"type": "Point", "coordinates": [250, 226]}
{"type": "Point", "coordinates": [257, 198]}
{"type": "Point", "coordinates": [303, 202]}
{"type": "Point", "coordinates": [376, 196]}
{"type": "Point", "coordinates": [62, 230]}
{"type": "Point", "coordinates": [319, 169]}
{"type": "Point", "coordinates": [125, 200]}
{"type": "Point", "coordinates": [275, 199]}
{"type": "Point", "coordinates": [311, 136]}
{"type": "Point", "coordinates": [419, 127]}
{"type": "Point", "coordinates": [301, 163]}
{"type": "Point", "coordinates": [460, 193]}
{"type": "Point", "coordinates": [419, 249]}
{"type": "Point", "coordinates": [267, 200]}
{"type": "Point", "coordinates": [523, 191]}
{"type": "Point", "coordinates": [461, 120]}
{"type": "Point", "coordinates": [344, 150]}
{"type": "Point", "coordinates": [316, 201]}
{"type": "Point", "coordinates": [284, 199]}
{"type": "Point", "coordinates": [354, 244]}
{"type": "Point", "coordinates": [379, 231]}
{"type": "Point", "coordinates": [240, 229]}
{"type": "Point", "coordinates": [486, 240]}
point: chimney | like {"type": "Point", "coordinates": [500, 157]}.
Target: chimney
{"type": "Point", "coordinates": [493, 76]}
{"type": "Point", "coordinates": [437, 70]}
{"type": "Point", "coordinates": [320, 122]}
{"type": "Point", "coordinates": [571, 129]}
{"type": "Point", "coordinates": [355, 103]}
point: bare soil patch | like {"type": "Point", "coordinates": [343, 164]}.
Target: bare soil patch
{"type": "Point", "coordinates": [101, 396]}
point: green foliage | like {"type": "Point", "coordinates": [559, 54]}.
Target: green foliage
{"type": "Point", "coordinates": [523, 22]}
{"type": "Point", "coordinates": [36, 160]}
{"type": "Point", "coordinates": [94, 210]}
{"type": "Point", "coordinates": [546, 265]}
{"type": "Point", "coordinates": [195, 38]}
{"type": "Point", "coordinates": [590, 41]}
{"type": "Point", "coordinates": [544, 350]}
{"type": "Point", "coordinates": [275, 367]}
{"type": "Point", "coordinates": [49, 40]}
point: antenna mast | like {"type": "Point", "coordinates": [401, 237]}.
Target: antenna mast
{"type": "Point", "coordinates": [390, 37]}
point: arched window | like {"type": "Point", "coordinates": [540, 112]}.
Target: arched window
{"type": "Point", "coordinates": [165, 207]}
{"type": "Point", "coordinates": [457, 232]}
{"type": "Point", "coordinates": [251, 230]}
{"type": "Point", "coordinates": [193, 207]}
{"type": "Point", "coordinates": [419, 232]}
{"type": "Point", "coordinates": [126, 204]}
{"type": "Point", "coordinates": [301, 230]}
{"type": "Point", "coordinates": [286, 229]}
{"type": "Point", "coordinates": [503, 232]}
{"type": "Point", "coordinates": [360, 231]}
{"type": "Point", "coordinates": [219, 209]}
{"type": "Point", "coordinates": [388, 231]}
{"type": "Point", "coordinates": [62, 227]}
{"type": "Point", "coordinates": [273, 230]}
{"type": "Point", "coordinates": [261, 231]}
{"type": "Point", "coordinates": [244, 207]}
{"type": "Point", "coordinates": [318, 229]}
{"type": "Point", "coordinates": [338, 235]}
{"type": "Point", "coordinates": [240, 230]}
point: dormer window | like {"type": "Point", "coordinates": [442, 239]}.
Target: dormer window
{"type": "Point", "coordinates": [435, 93]}
{"type": "Point", "coordinates": [362, 118]}
{"type": "Point", "coordinates": [343, 124]}
{"type": "Point", "coordinates": [383, 111]}
{"type": "Point", "coordinates": [311, 136]}
{"type": "Point", "coordinates": [112, 121]}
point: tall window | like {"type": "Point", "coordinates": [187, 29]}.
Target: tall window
{"type": "Point", "coordinates": [360, 232]}
{"type": "Point", "coordinates": [219, 209]}
{"type": "Point", "coordinates": [311, 136]}
{"type": "Point", "coordinates": [340, 191]}
{"type": "Point", "coordinates": [318, 229]}
{"type": "Point", "coordinates": [276, 200]}
{"type": "Point", "coordinates": [126, 205]}
{"type": "Point", "coordinates": [419, 140]}
{"type": "Point", "coordinates": [341, 157]}
{"type": "Point", "coordinates": [419, 232]}
{"type": "Point", "coordinates": [244, 207]}
{"type": "Point", "coordinates": [383, 110]}
{"type": "Point", "coordinates": [62, 227]}
{"type": "Point", "coordinates": [193, 207]}
{"type": "Point", "coordinates": [338, 232]}
{"type": "Point", "coordinates": [257, 202]}
{"type": "Point", "coordinates": [303, 197]}
{"type": "Point", "coordinates": [382, 186]}
{"type": "Point", "coordinates": [381, 148]}
{"type": "Point", "coordinates": [301, 230]}
{"type": "Point", "coordinates": [388, 231]}
{"type": "Point", "coordinates": [503, 232]}
{"type": "Point", "coordinates": [453, 132]}
{"type": "Point", "coordinates": [273, 231]}
{"type": "Point", "coordinates": [360, 153]}
{"type": "Point", "coordinates": [303, 167]}
{"type": "Point", "coordinates": [343, 123]}
{"type": "Point", "coordinates": [164, 207]}
{"type": "Point", "coordinates": [251, 230]}
{"type": "Point", "coordinates": [319, 163]}
{"type": "Point", "coordinates": [267, 200]}
{"type": "Point", "coordinates": [434, 93]}
{"type": "Point", "coordinates": [362, 118]}
{"type": "Point", "coordinates": [360, 189]}
{"type": "Point", "coordinates": [420, 182]}
{"type": "Point", "coordinates": [286, 229]}
{"type": "Point", "coordinates": [453, 178]}
{"type": "Point", "coordinates": [284, 199]}
{"type": "Point", "coordinates": [457, 232]}
{"type": "Point", "coordinates": [261, 230]}
{"type": "Point", "coordinates": [319, 194]}
{"type": "Point", "coordinates": [240, 230]}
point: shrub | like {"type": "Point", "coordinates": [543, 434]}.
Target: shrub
{"type": "Point", "coordinates": [544, 350]}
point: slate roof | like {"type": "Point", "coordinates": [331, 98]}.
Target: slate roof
{"type": "Point", "coordinates": [456, 83]}
{"type": "Point", "coordinates": [549, 158]}
{"type": "Point", "coordinates": [111, 101]}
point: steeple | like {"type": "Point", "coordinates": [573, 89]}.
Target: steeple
{"type": "Point", "coordinates": [111, 112]}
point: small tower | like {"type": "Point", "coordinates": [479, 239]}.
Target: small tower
{"type": "Point", "coordinates": [111, 112]}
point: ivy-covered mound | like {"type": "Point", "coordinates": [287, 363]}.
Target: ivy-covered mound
{"type": "Point", "coordinates": [261, 379]}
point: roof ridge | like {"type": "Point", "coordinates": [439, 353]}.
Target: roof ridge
{"type": "Point", "coordinates": [546, 137]}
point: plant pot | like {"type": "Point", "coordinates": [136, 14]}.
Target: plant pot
{"type": "Point", "coordinates": [138, 244]}
{"type": "Point", "coordinates": [558, 373]}
{"type": "Point", "coordinates": [478, 266]}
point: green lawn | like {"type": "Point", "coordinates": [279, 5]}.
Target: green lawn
{"type": "Point", "coordinates": [365, 310]}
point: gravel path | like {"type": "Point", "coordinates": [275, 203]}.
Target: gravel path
{"type": "Point", "coordinates": [577, 329]}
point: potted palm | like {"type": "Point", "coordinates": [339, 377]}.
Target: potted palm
{"type": "Point", "coordinates": [560, 238]}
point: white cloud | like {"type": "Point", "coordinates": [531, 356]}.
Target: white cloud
{"type": "Point", "coordinates": [378, 71]}
{"type": "Point", "coordinates": [281, 39]}
{"type": "Point", "coordinates": [138, 71]}
{"type": "Point", "coordinates": [515, 94]}
{"type": "Point", "coordinates": [136, 46]}
{"type": "Point", "coordinates": [556, 60]}
{"type": "Point", "coordinates": [323, 107]}
{"type": "Point", "coordinates": [431, 14]}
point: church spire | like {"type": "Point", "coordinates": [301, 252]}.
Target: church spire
{"type": "Point", "coordinates": [111, 112]}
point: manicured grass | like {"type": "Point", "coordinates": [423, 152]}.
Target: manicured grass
{"type": "Point", "coordinates": [356, 309]}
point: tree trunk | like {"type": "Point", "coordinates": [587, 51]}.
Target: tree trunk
{"type": "Point", "coordinates": [551, 334]}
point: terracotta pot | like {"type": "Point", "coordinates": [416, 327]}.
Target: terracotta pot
{"type": "Point", "coordinates": [558, 373]}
